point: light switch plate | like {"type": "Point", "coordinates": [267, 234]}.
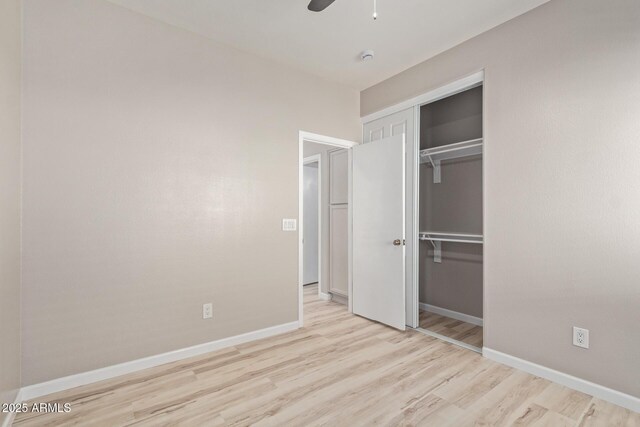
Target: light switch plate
{"type": "Point", "coordinates": [289, 224]}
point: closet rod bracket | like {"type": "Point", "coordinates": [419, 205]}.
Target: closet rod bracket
{"type": "Point", "coordinates": [436, 170]}
{"type": "Point", "coordinates": [437, 251]}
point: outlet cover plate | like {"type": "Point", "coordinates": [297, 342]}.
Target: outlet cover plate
{"type": "Point", "coordinates": [580, 337]}
{"type": "Point", "coordinates": [207, 311]}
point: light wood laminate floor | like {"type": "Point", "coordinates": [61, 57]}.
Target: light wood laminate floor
{"type": "Point", "coordinates": [339, 370]}
{"type": "Point", "coordinates": [452, 328]}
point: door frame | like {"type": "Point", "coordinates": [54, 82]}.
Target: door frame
{"type": "Point", "coordinates": [456, 86]}
{"type": "Point", "coordinates": [334, 142]}
{"type": "Point", "coordinates": [316, 158]}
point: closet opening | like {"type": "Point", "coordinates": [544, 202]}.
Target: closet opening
{"type": "Point", "coordinates": [450, 207]}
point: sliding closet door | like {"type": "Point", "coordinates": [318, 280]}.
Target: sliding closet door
{"type": "Point", "coordinates": [378, 197]}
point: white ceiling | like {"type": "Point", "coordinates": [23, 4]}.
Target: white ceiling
{"type": "Point", "coordinates": [329, 43]}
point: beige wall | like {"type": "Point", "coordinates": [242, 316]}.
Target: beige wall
{"type": "Point", "coordinates": [157, 168]}
{"type": "Point", "coordinates": [10, 63]}
{"type": "Point", "coordinates": [561, 180]}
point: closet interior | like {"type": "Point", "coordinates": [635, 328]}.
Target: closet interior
{"type": "Point", "coordinates": [450, 219]}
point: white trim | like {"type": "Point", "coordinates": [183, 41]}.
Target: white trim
{"type": "Point", "coordinates": [449, 340]}
{"type": "Point", "coordinates": [317, 158]}
{"type": "Point", "coordinates": [65, 383]}
{"type": "Point", "coordinates": [324, 297]}
{"type": "Point", "coordinates": [452, 314]}
{"type": "Point", "coordinates": [339, 298]}
{"type": "Point", "coordinates": [431, 96]}
{"type": "Point", "coordinates": [416, 217]}
{"type": "Point", "coordinates": [10, 416]}
{"type": "Point", "coordinates": [350, 232]}
{"type": "Point", "coordinates": [485, 155]}
{"type": "Point", "coordinates": [312, 159]}
{"type": "Point", "coordinates": [318, 139]}
{"type": "Point", "coordinates": [596, 390]}
{"type": "Point", "coordinates": [325, 140]}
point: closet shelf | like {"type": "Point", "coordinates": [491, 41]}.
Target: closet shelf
{"type": "Point", "coordinates": [436, 240]}
{"type": "Point", "coordinates": [447, 152]}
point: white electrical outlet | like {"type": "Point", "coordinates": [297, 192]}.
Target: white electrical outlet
{"type": "Point", "coordinates": [207, 311]}
{"type": "Point", "coordinates": [580, 337]}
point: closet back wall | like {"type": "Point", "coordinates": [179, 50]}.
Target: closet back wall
{"type": "Point", "coordinates": [453, 205]}
{"type": "Point", "coordinates": [562, 236]}
{"type": "Point", "coordinates": [158, 166]}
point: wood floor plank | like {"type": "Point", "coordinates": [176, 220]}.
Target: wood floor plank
{"type": "Point", "coordinates": [605, 414]}
{"type": "Point", "coordinates": [452, 328]}
{"type": "Point", "coordinates": [339, 370]}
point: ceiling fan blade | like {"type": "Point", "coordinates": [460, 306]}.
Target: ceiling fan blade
{"type": "Point", "coordinates": [319, 5]}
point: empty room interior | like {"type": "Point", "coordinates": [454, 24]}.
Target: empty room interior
{"type": "Point", "coordinates": [320, 212]}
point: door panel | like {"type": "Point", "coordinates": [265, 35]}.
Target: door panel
{"type": "Point", "coordinates": [378, 197]}
{"type": "Point", "coordinates": [339, 250]}
{"type": "Point", "coordinates": [339, 172]}
{"type": "Point", "coordinates": [396, 124]}
{"type": "Point", "coordinates": [376, 134]}
{"type": "Point", "coordinates": [398, 128]}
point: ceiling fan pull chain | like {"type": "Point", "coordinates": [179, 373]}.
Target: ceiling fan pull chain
{"type": "Point", "coordinates": [375, 10]}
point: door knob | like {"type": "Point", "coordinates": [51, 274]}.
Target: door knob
{"type": "Point", "coordinates": [397, 242]}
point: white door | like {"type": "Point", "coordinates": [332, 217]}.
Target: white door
{"type": "Point", "coordinates": [403, 123]}
{"type": "Point", "coordinates": [311, 231]}
{"type": "Point", "coordinates": [378, 195]}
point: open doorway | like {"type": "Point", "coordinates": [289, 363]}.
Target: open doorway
{"type": "Point", "coordinates": [324, 218]}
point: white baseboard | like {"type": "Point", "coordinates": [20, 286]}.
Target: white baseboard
{"type": "Point", "coordinates": [65, 383]}
{"type": "Point", "coordinates": [596, 390]}
{"type": "Point", "coordinates": [323, 296]}
{"type": "Point", "coordinates": [452, 314]}
{"type": "Point", "coordinates": [340, 299]}
{"type": "Point", "coordinates": [8, 420]}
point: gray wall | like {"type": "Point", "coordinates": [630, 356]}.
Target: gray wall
{"type": "Point", "coordinates": [157, 168]}
{"type": "Point", "coordinates": [10, 64]}
{"type": "Point", "coordinates": [453, 205]}
{"type": "Point", "coordinates": [562, 236]}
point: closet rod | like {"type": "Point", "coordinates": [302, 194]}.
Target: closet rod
{"type": "Point", "coordinates": [436, 240]}
{"type": "Point", "coordinates": [452, 237]}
